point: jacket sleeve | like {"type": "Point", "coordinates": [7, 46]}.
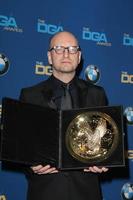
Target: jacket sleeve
{"type": "Point", "coordinates": [104, 99]}
{"type": "Point", "coordinates": [22, 96]}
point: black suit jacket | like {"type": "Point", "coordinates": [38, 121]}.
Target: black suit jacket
{"type": "Point", "coordinates": [72, 185]}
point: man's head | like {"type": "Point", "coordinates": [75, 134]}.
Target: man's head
{"type": "Point", "coordinates": [64, 53]}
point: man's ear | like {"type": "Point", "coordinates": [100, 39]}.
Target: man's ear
{"type": "Point", "coordinates": [49, 57]}
{"type": "Point", "coordinates": [79, 57]}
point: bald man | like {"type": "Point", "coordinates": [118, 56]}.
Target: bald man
{"type": "Point", "coordinates": [47, 182]}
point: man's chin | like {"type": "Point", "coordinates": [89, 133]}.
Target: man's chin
{"type": "Point", "coordinates": [67, 71]}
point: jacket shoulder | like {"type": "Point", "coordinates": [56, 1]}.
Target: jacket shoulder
{"type": "Point", "coordinates": [86, 84]}
{"type": "Point", "coordinates": [94, 92]}
{"type": "Point", "coordinates": [33, 91]}
{"type": "Point", "coordinates": [36, 86]}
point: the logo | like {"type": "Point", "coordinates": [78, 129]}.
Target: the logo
{"type": "Point", "coordinates": [130, 154]}
{"type": "Point", "coordinates": [127, 40]}
{"type": "Point", "coordinates": [129, 115]}
{"type": "Point", "coordinates": [2, 197]}
{"type": "Point", "coordinates": [51, 29]}
{"type": "Point", "coordinates": [126, 78]}
{"type": "Point", "coordinates": [127, 191]}
{"type": "Point", "coordinates": [92, 74]}
{"type": "Point", "coordinates": [9, 24]}
{"type": "Point", "coordinates": [4, 64]}
{"type": "Point", "coordinates": [99, 38]}
{"type": "Point", "coordinates": [41, 69]}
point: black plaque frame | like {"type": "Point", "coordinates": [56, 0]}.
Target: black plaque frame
{"type": "Point", "coordinates": [33, 135]}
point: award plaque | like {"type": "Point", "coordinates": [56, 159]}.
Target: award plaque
{"type": "Point", "coordinates": [92, 136]}
{"type": "Point", "coordinates": [69, 139]}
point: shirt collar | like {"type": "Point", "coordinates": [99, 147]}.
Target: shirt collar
{"type": "Point", "coordinates": [58, 83]}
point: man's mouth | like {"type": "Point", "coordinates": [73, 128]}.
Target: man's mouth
{"type": "Point", "coordinates": [66, 61]}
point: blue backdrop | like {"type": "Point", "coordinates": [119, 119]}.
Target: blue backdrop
{"type": "Point", "coordinates": [105, 32]}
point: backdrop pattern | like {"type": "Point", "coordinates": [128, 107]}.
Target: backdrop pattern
{"type": "Point", "coordinates": [105, 31]}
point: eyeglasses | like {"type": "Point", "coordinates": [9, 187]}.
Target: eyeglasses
{"type": "Point", "coordinates": [61, 49]}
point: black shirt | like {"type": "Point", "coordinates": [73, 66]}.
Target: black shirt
{"type": "Point", "coordinates": [59, 91]}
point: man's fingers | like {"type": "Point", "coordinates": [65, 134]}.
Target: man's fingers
{"type": "Point", "coordinates": [96, 169]}
{"type": "Point", "coordinates": [39, 169]}
{"type": "Point", "coordinates": [47, 171]}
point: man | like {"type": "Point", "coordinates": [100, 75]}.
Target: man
{"type": "Point", "coordinates": [46, 182]}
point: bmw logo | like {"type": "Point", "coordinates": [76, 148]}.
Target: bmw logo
{"type": "Point", "coordinates": [92, 74]}
{"type": "Point", "coordinates": [129, 115]}
{"type": "Point", "coordinates": [127, 191]}
{"type": "Point", "coordinates": [4, 64]}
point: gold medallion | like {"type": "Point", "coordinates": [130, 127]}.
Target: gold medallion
{"type": "Point", "coordinates": [92, 137]}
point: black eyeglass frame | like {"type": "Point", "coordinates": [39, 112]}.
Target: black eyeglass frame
{"type": "Point", "coordinates": [69, 48]}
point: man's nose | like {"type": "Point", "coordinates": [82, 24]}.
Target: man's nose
{"type": "Point", "coordinates": [66, 52]}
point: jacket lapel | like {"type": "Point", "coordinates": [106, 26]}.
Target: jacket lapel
{"type": "Point", "coordinates": [82, 93]}
{"type": "Point", "coordinates": [47, 93]}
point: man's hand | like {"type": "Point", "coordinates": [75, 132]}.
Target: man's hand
{"type": "Point", "coordinates": [96, 169]}
{"type": "Point", "coordinates": [47, 169]}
